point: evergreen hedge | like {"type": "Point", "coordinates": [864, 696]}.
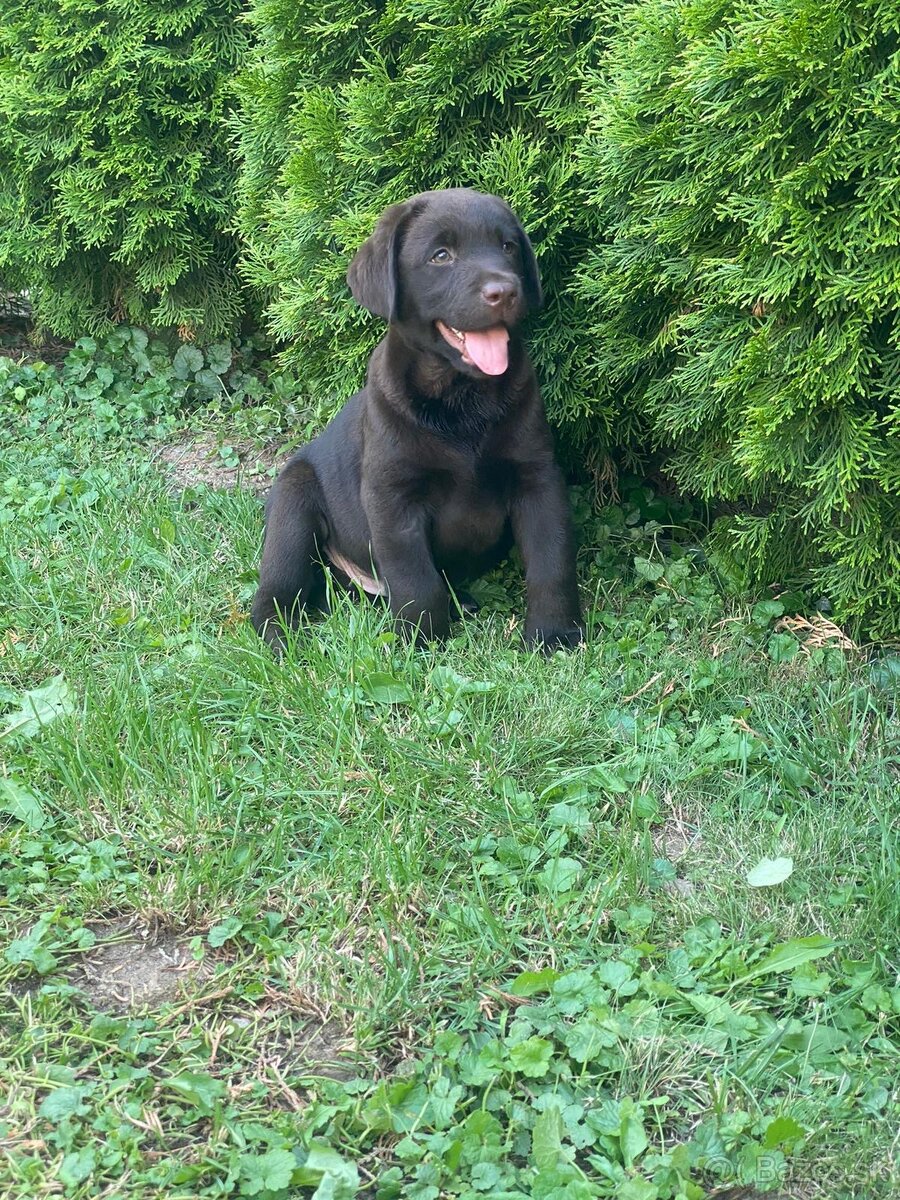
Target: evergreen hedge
{"type": "Point", "coordinates": [744, 289]}
{"type": "Point", "coordinates": [116, 187]}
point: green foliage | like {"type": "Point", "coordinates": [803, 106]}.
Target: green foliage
{"type": "Point", "coordinates": [116, 186]}
{"type": "Point", "coordinates": [712, 203]}
{"type": "Point", "coordinates": [572, 1092]}
{"type": "Point", "coordinates": [349, 107]}
{"type": "Point", "coordinates": [128, 387]}
{"type": "Point", "coordinates": [541, 1102]}
{"type": "Point", "coordinates": [124, 383]}
{"type": "Point", "coordinates": [402, 923]}
{"type": "Point", "coordinates": [745, 283]}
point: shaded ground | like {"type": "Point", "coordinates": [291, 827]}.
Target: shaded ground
{"type": "Point", "coordinates": [18, 339]}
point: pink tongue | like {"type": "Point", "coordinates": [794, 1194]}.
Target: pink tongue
{"type": "Point", "coordinates": [488, 349]}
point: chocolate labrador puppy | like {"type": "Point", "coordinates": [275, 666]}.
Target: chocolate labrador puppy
{"type": "Point", "coordinates": [425, 477]}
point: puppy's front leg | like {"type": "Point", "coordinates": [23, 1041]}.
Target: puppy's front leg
{"type": "Point", "coordinates": [417, 593]}
{"type": "Point", "coordinates": [542, 527]}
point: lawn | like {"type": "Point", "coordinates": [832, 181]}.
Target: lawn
{"type": "Point", "coordinates": [387, 922]}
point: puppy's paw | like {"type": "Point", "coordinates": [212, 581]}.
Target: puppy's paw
{"type": "Point", "coordinates": [427, 627]}
{"type": "Point", "coordinates": [549, 637]}
{"type": "Point", "coordinates": [464, 605]}
{"type": "Point", "coordinates": [274, 626]}
{"type": "Point", "coordinates": [275, 635]}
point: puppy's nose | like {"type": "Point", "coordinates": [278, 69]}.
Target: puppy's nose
{"type": "Point", "coordinates": [499, 292]}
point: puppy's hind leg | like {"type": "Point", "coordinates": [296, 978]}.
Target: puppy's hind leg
{"type": "Point", "coordinates": [290, 574]}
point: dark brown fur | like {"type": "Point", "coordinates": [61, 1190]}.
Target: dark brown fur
{"type": "Point", "coordinates": [432, 470]}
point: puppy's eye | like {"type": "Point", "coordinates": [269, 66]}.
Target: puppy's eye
{"type": "Point", "coordinates": [442, 256]}
{"type": "Point", "coordinates": [509, 247]}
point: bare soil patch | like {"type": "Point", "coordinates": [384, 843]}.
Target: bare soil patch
{"type": "Point", "coordinates": [135, 970]}
{"type": "Point", "coordinates": [196, 460]}
{"type": "Point", "coordinates": [674, 840]}
{"type": "Point", "coordinates": [290, 1049]}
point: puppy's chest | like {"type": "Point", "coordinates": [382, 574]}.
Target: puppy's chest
{"type": "Point", "coordinates": [469, 508]}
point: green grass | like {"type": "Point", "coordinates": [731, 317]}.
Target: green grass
{"type": "Point", "coordinates": [508, 894]}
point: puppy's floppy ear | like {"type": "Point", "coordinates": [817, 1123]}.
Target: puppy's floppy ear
{"type": "Point", "coordinates": [373, 275]}
{"type": "Point", "coordinates": [533, 293]}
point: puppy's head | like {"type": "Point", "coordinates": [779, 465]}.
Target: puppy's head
{"type": "Point", "coordinates": [456, 270]}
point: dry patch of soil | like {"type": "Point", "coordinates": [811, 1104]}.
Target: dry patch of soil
{"type": "Point", "coordinates": [290, 1050]}
{"type": "Point", "coordinates": [196, 460]}
{"type": "Point", "coordinates": [674, 840]}
{"type": "Point", "coordinates": [133, 970]}
{"type": "Point", "coordinates": [286, 1038]}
